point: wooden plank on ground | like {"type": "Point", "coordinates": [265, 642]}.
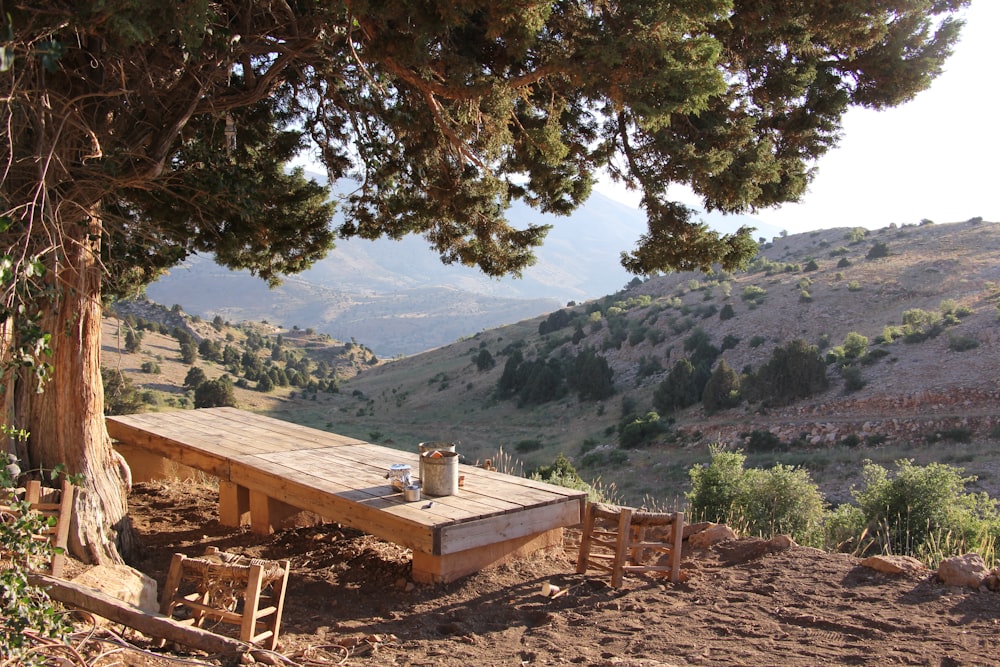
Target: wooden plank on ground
{"type": "Point", "coordinates": [151, 625]}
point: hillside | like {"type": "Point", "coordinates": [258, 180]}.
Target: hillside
{"type": "Point", "coordinates": [928, 400]}
{"type": "Point", "coordinates": [399, 298]}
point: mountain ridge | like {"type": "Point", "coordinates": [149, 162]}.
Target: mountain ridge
{"type": "Point", "coordinates": [350, 292]}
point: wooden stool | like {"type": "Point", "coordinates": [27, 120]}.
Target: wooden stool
{"type": "Point", "coordinates": [56, 507]}
{"type": "Point", "coordinates": [229, 588]}
{"type": "Point", "coordinates": [617, 540]}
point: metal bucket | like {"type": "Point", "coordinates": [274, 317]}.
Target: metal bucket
{"type": "Point", "coordinates": [427, 447]}
{"type": "Point", "coordinates": [440, 473]}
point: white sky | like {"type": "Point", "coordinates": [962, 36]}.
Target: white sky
{"type": "Point", "coordinates": [935, 157]}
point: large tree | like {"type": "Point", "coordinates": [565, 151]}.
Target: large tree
{"type": "Point", "coordinates": [140, 132]}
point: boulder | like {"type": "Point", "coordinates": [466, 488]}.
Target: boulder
{"type": "Point", "coordinates": [122, 583]}
{"type": "Point", "coordinates": [968, 570]}
{"type": "Point", "coordinates": [894, 564]}
{"type": "Point", "coordinates": [713, 534]}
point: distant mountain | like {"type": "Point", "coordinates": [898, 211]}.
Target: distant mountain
{"type": "Point", "coordinates": [398, 298]}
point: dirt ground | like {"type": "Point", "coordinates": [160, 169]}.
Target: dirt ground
{"type": "Point", "coordinates": [350, 601]}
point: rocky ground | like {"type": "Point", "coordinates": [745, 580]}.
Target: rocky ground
{"type": "Point", "coordinates": [350, 601]}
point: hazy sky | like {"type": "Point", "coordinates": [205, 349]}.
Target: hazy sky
{"type": "Point", "coordinates": [935, 157]}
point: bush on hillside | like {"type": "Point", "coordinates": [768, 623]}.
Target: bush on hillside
{"type": "Point", "coordinates": [120, 394]}
{"type": "Point", "coordinates": [215, 394]}
{"type": "Point", "coordinates": [722, 391]}
{"type": "Point", "coordinates": [780, 500]}
{"type": "Point", "coordinates": [794, 371]}
{"type": "Point", "coordinates": [913, 510]}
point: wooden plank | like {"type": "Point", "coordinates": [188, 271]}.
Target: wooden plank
{"type": "Point", "coordinates": [175, 450]}
{"type": "Point", "coordinates": [430, 568]}
{"type": "Point", "coordinates": [530, 521]}
{"type": "Point", "coordinates": [151, 625]}
{"type": "Point", "coordinates": [407, 526]}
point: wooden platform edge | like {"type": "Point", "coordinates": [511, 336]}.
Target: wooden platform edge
{"type": "Point", "coordinates": [151, 625]}
{"type": "Point", "coordinates": [431, 569]}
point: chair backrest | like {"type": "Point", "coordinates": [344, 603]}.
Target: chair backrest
{"type": "Point", "coordinates": [50, 504]}
{"type": "Point", "coordinates": [618, 539]}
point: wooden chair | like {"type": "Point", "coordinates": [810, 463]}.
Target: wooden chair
{"type": "Point", "coordinates": [619, 540]}
{"type": "Point", "coordinates": [227, 588]}
{"type": "Point", "coordinates": [54, 504]}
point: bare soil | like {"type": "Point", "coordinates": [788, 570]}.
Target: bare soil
{"type": "Point", "coordinates": [351, 601]}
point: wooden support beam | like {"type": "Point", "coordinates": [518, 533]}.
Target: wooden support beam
{"type": "Point", "coordinates": [234, 504]}
{"type": "Point", "coordinates": [428, 568]}
{"type": "Point", "coordinates": [151, 625]}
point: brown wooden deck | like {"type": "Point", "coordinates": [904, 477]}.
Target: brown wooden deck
{"type": "Point", "coordinates": [268, 468]}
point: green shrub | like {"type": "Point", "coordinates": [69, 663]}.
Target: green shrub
{"type": "Point", "coordinates": [757, 341]}
{"type": "Point", "coordinates": [617, 457]}
{"type": "Point", "coordinates": [760, 502]}
{"type": "Point", "coordinates": [525, 446]}
{"type": "Point", "coordinates": [853, 380]}
{"type": "Point", "coordinates": [640, 431]}
{"type": "Point", "coordinates": [911, 511]}
{"type": "Point", "coordinates": [794, 371]}
{"type": "Point", "coordinates": [878, 250]}
{"type": "Point", "coordinates": [722, 391]}
{"type": "Point", "coordinates": [754, 294]}
{"type": "Point", "coordinates": [962, 343]}
{"type": "Point", "coordinates": [763, 441]}
{"type": "Point", "coordinates": [26, 609]}
{"type": "Point", "coordinates": [150, 367]}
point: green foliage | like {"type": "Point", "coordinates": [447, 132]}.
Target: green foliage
{"type": "Point", "coordinates": [680, 389]}
{"type": "Point", "coordinates": [591, 376]}
{"type": "Point", "coordinates": [120, 394]}
{"type": "Point", "coordinates": [919, 325]}
{"type": "Point", "coordinates": [843, 263]}
{"type": "Point", "coordinates": [722, 391]}
{"type": "Point", "coordinates": [555, 321]}
{"type": "Point", "coordinates": [879, 250]}
{"type": "Point", "coordinates": [150, 367]}
{"type": "Point", "coordinates": [215, 394]}
{"type": "Point", "coordinates": [811, 265]}
{"type": "Point", "coordinates": [853, 380]}
{"type": "Point", "coordinates": [532, 445]}
{"type": "Point", "coordinates": [637, 432]}
{"type": "Point", "coordinates": [24, 607]}
{"type": "Point", "coordinates": [195, 376]}
{"type": "Point", "coordinates": [962, 343]}
{"type": "Point", "coordinates": [856, 235]}
{"type": "Point", "coordinates": [908, 511]}
{"type": "Point", "coordinates": [760, 502]}
{"type": "Point", "coordinates": [794, 371]}
{"type": "Point", "coordinates": [485, 360]}
{"type": "Point", "coordinates": [855, 345]}
{"type": "Point", "coordinates": [727, 312]}
{"type": "Point", "coordinates": [133, 340]}
{"type": "Point", "coordinates": [754, 294]}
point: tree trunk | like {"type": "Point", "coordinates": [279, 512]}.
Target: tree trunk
{"type": "Point", "coordinates": [66, 419]}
